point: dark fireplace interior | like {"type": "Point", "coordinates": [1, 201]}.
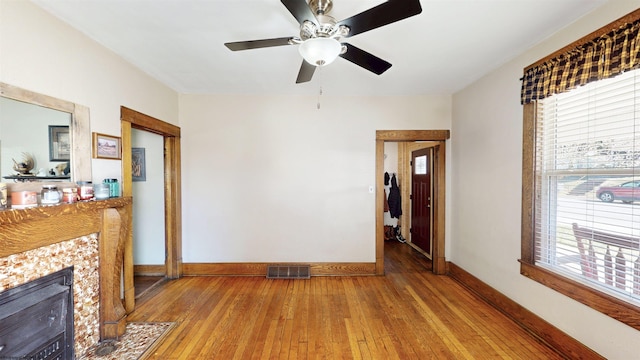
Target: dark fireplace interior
{"type": "Point", "coordinates": [36, 318]}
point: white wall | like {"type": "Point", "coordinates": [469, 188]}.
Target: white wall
{"type": "Point", "coordinates": [42, 54]}
{"type": "Point", "coordinates": [271, 178]}
{"type": "Point", "coordinates": [148, 201]}
{"type": "Point", "coordinates": [486, 191]}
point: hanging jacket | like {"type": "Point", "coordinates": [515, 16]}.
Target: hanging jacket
{"type": "Point", "coordinates": [395, 203]}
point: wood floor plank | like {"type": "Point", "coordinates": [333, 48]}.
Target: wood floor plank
{"type": "Point", "coordinates": [409, 313]}
{"type": "Point", "coordinates": [354, 343]}
{"type": "Point", "coordinates": [265, 351]}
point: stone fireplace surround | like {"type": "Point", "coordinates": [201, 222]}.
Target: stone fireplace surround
{"type": "Point", "coordinates": [91, 236]}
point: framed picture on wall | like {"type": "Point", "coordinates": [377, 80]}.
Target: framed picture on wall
{"type": "Point", "coordinates": [59, 143]}
{"type": "Point", "coordinates": [138, 165]}
{"type": "Point", "coordinates": [106, 147]}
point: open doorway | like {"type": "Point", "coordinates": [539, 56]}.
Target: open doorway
{"type": "Point", "coordinates": [131, 119]}
{"type": "Point", "coordinates": [147, 160]}
{"type": "Point", "coordinates": [436, 139]}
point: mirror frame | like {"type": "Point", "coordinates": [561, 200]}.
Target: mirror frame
{"type": "Point", "coordinates": [80, 130]}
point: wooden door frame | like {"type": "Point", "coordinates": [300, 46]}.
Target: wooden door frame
{"type": "Point", "coordinates": [131, 119]}
{"type": "Point", "coordinates": [439, 137]}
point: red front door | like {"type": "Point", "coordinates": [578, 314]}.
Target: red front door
{"type": "Point", "coordinates": [421, 170]}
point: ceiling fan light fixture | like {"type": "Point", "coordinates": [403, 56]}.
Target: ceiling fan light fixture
{"type": "Point", "coordinates": [320, 51]}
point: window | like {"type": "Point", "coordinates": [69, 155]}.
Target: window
{"type": "Point", "coordinates": [588, 161]}
{"type": "Point", "coordinates": [581, 171]}
{"type": "Point", "coordinates": [420, 167]}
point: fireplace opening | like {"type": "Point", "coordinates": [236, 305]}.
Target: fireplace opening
{"type": "Point", "coordinates": [36, 318]}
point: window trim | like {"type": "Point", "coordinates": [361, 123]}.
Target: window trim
{"type": "Point", "coordinates": [597, 300]}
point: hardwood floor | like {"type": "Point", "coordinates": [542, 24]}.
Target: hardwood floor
{"type": "Point", "coordinates": [409, 313]}
{"type": "Point", "coordinates": [143, 284]}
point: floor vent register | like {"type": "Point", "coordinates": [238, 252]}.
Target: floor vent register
{"type": "Point", "coordinates": [288, 272]}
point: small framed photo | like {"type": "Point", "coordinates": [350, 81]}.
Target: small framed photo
{"type": "Point", "coordinates": [106, 147]}
{"type": "Point", "coordinates": [59, 143]}
{"type": "Point", "coordinates": [138, 165]}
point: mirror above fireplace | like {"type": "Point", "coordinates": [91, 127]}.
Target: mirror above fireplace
{"type": "Point", "coordinates": [78, 137]}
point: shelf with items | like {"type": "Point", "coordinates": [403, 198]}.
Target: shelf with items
{"type": "Point", "coordinates": [29, 178]}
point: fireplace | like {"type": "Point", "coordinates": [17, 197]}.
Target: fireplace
{"type": "Point", "coordinates": [94, 238]}
{"type": "Point", "coordinates": [36, 318]}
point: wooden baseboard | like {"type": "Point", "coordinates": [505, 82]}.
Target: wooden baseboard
{"type": "Point", "coordinates": [535, 325]}
{"type": "Point", "coordinates": [149, 270]}
{"type": "Point", "coordinates": [260, 269]}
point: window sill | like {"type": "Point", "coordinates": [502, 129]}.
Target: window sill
{"type": "Point", "coordinates": [613, 307]}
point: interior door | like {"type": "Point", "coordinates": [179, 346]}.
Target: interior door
{"type": "Point", "coordinates": [421, 161]}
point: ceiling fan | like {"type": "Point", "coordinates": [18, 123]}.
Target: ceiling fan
{"type": "Point", "coordinates": [320, 34]}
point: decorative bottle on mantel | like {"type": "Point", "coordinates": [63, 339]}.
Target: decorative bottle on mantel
{"type": "Point", "coordinates": [101, 191]}
{"type": "Point", "coordinates": [85, 190]}
{"type": "Point", "coordinates": [50, 195]}
{"type": "Point", "coordinates": [69, 195]}
{"type": "Point", "coordinates": [114, 187]}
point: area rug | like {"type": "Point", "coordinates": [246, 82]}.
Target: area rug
{"type": "Point", "coordinates": [137, 343]}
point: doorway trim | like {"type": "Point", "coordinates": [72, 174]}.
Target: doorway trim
{"type": "Point", "coordinates": [439, 138]}
{"type": "Point", "coordinates": [131, 119]}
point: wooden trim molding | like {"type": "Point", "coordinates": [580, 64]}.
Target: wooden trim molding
{"type": "Point", "coordinates": [528, 183]}
{"type": "Point", "coordinates": [131, 119]}
{"type": "Point", "coordinates": [260, 269]}
{"type": "Point", "coordinates": [149, 270]}
{"type": "Point", "coordinates": [535, 325]}
{"type": "Point", "coordinates": [438, 218]}
{"type": "Point", "coordinates": [413, 135]}
{"type": "Point", "coordinates": [379, 230]}
{"type": "Point", "coordinates": [148, 123]}
{"type": "Point", "coordinates": [438, 139]}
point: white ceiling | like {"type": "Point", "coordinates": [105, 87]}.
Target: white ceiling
{"type": "Point", "coordinates": [442, 50]}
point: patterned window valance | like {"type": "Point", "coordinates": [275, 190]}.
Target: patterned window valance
{"type": "Point", "coordinates": [606, 56]}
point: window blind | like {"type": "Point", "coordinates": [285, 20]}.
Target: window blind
{"type": "Point", "coordinates": [587, 219]}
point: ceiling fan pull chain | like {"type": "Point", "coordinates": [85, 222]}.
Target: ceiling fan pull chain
{"type": "Point", "coordinates": [320, 83]}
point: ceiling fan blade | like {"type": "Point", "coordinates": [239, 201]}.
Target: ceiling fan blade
{"type": "Point", "coordinates": [256, 44]}
{"type": "Point", "coordinates": [383, 14]}
{"type": "Point", "coordinates": [306, 72]}
{"type": "Point", "coordinates": [300, 10]}
{"type": "Point", "coordinates": [365, 59]}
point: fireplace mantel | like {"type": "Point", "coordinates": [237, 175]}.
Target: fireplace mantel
{"type": "Point", "coordinates": [27, 229]}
